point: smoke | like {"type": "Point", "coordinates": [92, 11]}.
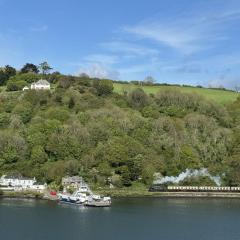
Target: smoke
{"type": "Point", "coordinates": [203, 172]}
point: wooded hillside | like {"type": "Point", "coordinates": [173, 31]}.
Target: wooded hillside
{"type": "Point", "coordinates": [82, 127]}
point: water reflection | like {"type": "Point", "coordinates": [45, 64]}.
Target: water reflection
{"type": "Point", "coordinates": [18, 203]}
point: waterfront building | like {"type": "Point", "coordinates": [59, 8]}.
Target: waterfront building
{"type": "Point", "coordinates": [15, 181]}
{"type": "Point", "coordinates": [19, 183]}
{"type": "Point", "coordinates": [74, 181]}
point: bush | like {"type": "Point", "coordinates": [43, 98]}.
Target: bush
{"type": "Point", "coordinates": [13, 85]}
{"type": "Point", "coordinates": [27, 77]}
{"type": "Point", "coordinates": [137, 98]}
{"type": "Point", "coordinates": [103, 87]}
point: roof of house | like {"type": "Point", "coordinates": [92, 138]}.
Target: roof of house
{"type": "Point", "coordinates": [72, 179]}
{"type": "Point", "coordinates": [42, 82]}
{"type": "Point", "coordinates": [18, 177]}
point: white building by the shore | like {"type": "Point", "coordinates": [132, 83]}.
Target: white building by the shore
{"type": "Point", "coordinates": [41, 85]}
{"type": "Point", "coordinates": [19, 183]}
{"type": "Point", "coordinates": [15, 181]}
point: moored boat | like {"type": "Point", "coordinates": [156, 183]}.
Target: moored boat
{"type": "Point", "coordinates": [84, 196]}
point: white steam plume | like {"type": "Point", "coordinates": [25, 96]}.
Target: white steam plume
{"type": "Point", "coordinates": [203, 172]}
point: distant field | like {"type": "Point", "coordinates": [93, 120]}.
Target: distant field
{"type": "Point", "coordinates": [219, 96]}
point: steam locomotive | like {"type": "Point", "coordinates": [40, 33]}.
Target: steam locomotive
{"type": "Point", "coordinates": [171, 188]}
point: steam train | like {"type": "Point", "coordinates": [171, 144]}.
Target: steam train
{"type": "Point", "coordinates": [171, 188]}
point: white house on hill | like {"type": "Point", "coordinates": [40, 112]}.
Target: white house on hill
{"type": "Point", "coordinates": [41, 85]}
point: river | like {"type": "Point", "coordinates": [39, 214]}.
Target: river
{"type": "Point", "coordinates": [141, 219]}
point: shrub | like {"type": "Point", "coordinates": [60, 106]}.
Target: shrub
{"type": "Point", "coordinates": [137, 98]}
{"type": "Point", "coordinates": [14, 85]}
{"type": "Point", "coordinates": [103, 87]}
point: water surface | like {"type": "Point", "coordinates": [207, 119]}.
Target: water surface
{"type": "Point", "coordinates": [148, 218]}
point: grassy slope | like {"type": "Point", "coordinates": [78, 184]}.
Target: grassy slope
{"type": "Point", "coordinates": [219, 96]}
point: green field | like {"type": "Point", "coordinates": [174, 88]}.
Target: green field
{"type": "Point", "coordinates": [219, 96]}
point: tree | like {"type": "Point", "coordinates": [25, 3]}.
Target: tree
{"type": "Point", "coordinates": [24, 110]}
{"type": "Point", "coordinates": [29, 67]}
{"type": "Point", "coordinates": [83, 75]}
{"type": "Point", "coordinates": [38, 155]}
{"type": "Point", "coordinates": [3, 77]}
{"type": "Point", "coordinates": [10, 71]}
{"type": "Point", "coordinates": [126, 176]}
{"type": "Point", "coordinates": [103, 87]}
{"type": "Point", "coordinates": [65, 82]}
{"type": "Point", "coordinates": [149, 80]}
{"type": "Point", "coordinates": [45, 68]}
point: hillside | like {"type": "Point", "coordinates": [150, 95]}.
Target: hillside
{"type": "Point", "coordinates": [82, 127]}
{"type": "Point", "coordinates": [217, 95]}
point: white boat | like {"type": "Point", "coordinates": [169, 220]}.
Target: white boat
{"type": "Point", "coordinates": [84, 196]}
{"type": "Point", "coordinates": [76, 198]}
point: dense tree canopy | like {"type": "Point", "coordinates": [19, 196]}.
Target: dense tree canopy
{"type": "Point", "coordinates": [82, 127]}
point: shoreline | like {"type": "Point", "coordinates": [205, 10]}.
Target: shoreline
{"type": "Point", "coordinates": [142, 194]}
{"type": "Point", "coordinates": [123, 194]}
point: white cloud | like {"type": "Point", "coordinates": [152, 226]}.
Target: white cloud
{"type": "Point", "coordinates": [195, 44]}
{"type": "Point", "coordinates": [103, 59]}
{"type": "Point", "coordinates": [129, 48]}
{"type": "Point", "coordinates": [175, 38]}
{"type": "Point", "coordinates": [97, 70]}
{"type": "Point", "coordinates": [186, 33]}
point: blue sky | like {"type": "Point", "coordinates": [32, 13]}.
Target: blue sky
{"type": "Point", "coordinates": [175, 41]}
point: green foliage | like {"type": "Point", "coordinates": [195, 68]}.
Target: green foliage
{"type": "Point", "coordinates": [38, 155]}
{"type": "Point", "coordinates": [119, 138]}
{"type": "Point", "coordinates": [4, 120]}
{"type": "Point", "coordinates": [103, 87]}
{"type": "Point", "coordinates": [9, 71]}
{"type": "Point", "coordinates": [15, 85]}
{"type": "Point", "coordinates": [12, 148]}
{"type": "Point", "coordinates": [216, 95]}
{"type": "Point", "coordinates": [29, 68]}
{"type": "Point", "coordinates": [199, 181]}
{"type": "Point", "coordinates": [6, 73]}
{"type": "Point", "coordinates": [60, 114]}
{"type": "Point", "coordinates": [27, 77]}
{"type": "Point", "coordinates": [137, 98]}
{"type": "Point", "coordinates": [3, 77]}
{"type": "Point", "coordinates": [24, 110]}
{"type": "Point", "coordinates": [45, 67]}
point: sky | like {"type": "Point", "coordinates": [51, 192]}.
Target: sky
{"type": "Point", "coordinates": [174, 41]}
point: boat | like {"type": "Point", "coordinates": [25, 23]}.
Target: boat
{"type": "Point", "coordinates": [77, 197]}
{"type": "Point", "coordinates": [99, 202]}
{"type": "Point", "coordinates": [84, 196]}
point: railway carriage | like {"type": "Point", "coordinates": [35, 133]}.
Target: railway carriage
{"type": "Point", "coordinates": [173, 188]}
